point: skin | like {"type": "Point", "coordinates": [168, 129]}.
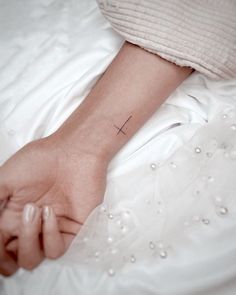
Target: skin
{"type": "Point", "coordinates": [51, 185]}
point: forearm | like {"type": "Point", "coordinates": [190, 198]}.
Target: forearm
{"type": "Point", "coordinates": [133, 87]}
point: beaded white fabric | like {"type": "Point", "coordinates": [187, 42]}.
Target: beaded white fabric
{"type": "Point", "coordinates": [193, 190]}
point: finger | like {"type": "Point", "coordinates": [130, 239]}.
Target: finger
{"type": "Point", "coordinates": [53, 242]}
{"type": "Point", "coordinates": [12, 246]}
{"type": "Point", "coordinates": [7, 264]}
{"type": "Point", "coordinates": [68, 226]}
{"type": "Point", "coordinates": [29, 249]}
{"type": "Point", "coordinates": [68, 239]}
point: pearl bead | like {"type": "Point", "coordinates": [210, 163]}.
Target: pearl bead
{"type": "Point", "coordinates": [152, 246]}
{"type": "Point", "coordinates": [209, 155]}
{"type": "Point", "coordinates": [124, 229]}
{"type": "Point", "coordinates": [111, 272]}
{"type": "Point", "coordinates": [153, 166]}
{"type": "Point", "coordinates": [198, 150]}
{"type": "Point", "coordinates": [233, 127]}
{"type": "Point", "coordinates": [110, 216]}
{"type": "Point", "coordinates": [163, 254]}
{"type": "Point", "coordinates": [210, 179]}
{"type": "Point", "coordinates": [126, 214]}
{"type": "Point", "coordinates": [85, 240]}
{"type": "Point", "coordinates": [132, 259]}
{"type": "Point", "coordinates": [224, 116]}
{"type": "Point", "coordinates": [110, 240]}
{"type": "Point", "coordinates": [205, 221]}
{"type": "Point", "coordinates": [223, 211]}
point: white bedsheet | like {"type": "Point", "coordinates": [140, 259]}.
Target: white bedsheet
{"type": "Point", "coordinates": [52, 53]}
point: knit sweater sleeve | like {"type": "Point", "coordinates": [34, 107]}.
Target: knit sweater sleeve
{"type": "Point", "coordinates": [199, 33]}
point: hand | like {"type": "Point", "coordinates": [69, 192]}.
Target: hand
{"type": "Point", "coordinates": [45, 172]}
{"type": "Point", "coordinates": [37, 227]}
{"type": "Point", "coordinates": [70, 174]}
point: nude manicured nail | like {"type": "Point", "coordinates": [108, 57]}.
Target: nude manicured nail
{"type": "Point", "coordinates": [29, 213]}
{"type": "Point", "coordinates": [46, 212]}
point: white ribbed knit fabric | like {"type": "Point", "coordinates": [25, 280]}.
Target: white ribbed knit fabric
{"type": "Point", "coordinates": [197, 33]}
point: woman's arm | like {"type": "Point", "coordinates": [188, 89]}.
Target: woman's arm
{"type": "Point", "coordinates": [67, 170]}
{"type": "Point", "coordinates": [131, 90]}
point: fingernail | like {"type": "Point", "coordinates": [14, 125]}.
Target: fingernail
{"type": "Point", "coordinates": [29, 213]}
{"type": "Point", "coordinates": [46, 212]}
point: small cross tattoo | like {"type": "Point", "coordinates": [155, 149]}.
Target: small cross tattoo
{"type": "Point", "coordinates": [121, 129]}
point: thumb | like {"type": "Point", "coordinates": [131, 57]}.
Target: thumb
{"type": "Point", "coordinates": [7, 264]}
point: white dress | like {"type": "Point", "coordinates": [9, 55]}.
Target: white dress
{"type": "Point", "coordinates": [167, 224]}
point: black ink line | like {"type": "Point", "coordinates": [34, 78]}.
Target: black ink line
{"type": "Point", "coordinates": [121, 129]}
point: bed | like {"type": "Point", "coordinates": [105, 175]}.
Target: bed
{"type": "Point", "coordinates": [52, 53]}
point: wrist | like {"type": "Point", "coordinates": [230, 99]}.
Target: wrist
{"type": "Point", "coordinates": [93, 131]}
{"type": "Point", "coordinates": [75, 142]}
{"type": "Point", "coordinates": [130, 91]}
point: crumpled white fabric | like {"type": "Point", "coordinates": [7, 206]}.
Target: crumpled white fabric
{"type": "Point", "coordinates": [181, 209]}
{"type": "Point", "coordinates": [167, 225]}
